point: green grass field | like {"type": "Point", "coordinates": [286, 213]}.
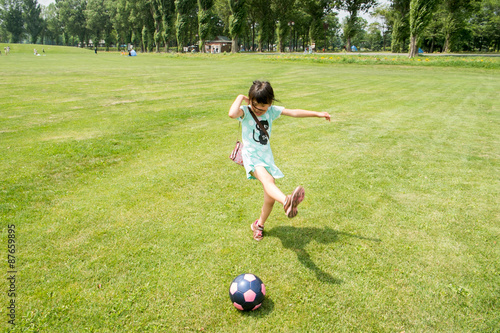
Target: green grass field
{"type": "Point", "coordinates": [128, 215]}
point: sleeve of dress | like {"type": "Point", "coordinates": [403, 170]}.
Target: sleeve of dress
{"type": "Point", "coordinates": [275, 111]}
{"type": "Point", "coordinates": [244, 108]}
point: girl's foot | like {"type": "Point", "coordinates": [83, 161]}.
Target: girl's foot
{"type": "Point", "coordinates": [292, 201]}
{"type": "Point", "coordinates": [258, 230]}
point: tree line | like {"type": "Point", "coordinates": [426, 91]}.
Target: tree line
{"type": "Point", "coordinates": [258, 25]}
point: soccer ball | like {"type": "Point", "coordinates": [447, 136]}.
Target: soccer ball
{"type": "Point", "coordinates": [247, 292]}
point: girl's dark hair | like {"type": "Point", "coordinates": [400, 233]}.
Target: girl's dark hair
{"type": "Point", "coordinates": [261, 93]}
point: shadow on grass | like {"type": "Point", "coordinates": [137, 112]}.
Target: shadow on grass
{"type": "Point", "coordinates": [266, 309]}
{"type": "Point", "coordinates": [296, 239]}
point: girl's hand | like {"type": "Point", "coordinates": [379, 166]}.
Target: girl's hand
{"type": "Point", "coordinates": [325, 115]}
{"type": "Point", "coordinates": [246, 99]}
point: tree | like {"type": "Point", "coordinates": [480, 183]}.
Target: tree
{"type": "Point", "coordinates": [3, 31]}
{"type": "Point", "coordinates": [141, 24]}
{"type": "Point", "coordinates": [455, 24]}
{"type": "Point", "coordinates": [162, 13]}
{"type": "Point", "coordinates": [282, 10]}
{"type": "Point", "coordinates": [221, 9]}
{"type": "Point", "coordinates": [302, 23]}
{"type": "Point", "coordinates": [315, 11]}
{"type": "Point", "coordinates": [32, 19]}
{"type": "Point", "coordinates": [118, 15]}
{"type": "Point", "coordinates": [237, 21]}
{"type": "Point", "coordinates": [355, 29]}
{"type": "Point", "coordinates": [183, 8]}
{"type": "Point", "coordinates": [52, 28]}
{"type": "Point", "coordinates": [51, 31]}
{"type": "Point", "coordinates": [13, 22]}
{"type": "Point", "coordinates": [400, 24]}
{"type": "Point", "coordinates": [374, 36]}
{"type": "Point", "coordinates": [253, 14]}
{"type": "Point", "coordinates": [263, 24]}
{"type": "Point", "coordinates": [204, 19]}
{"type": "Point", "coordinates": [432, 37]}
{"type": "Point", "coordinates": [167, 17]}
{"type": "Point", "coordinates": [333, 27]}
{"type": "Point", "coordinates": [485, 26]}
{"type": "Point", "coordinates": [456, 13]}
{"type": "Point", "coordinates": [420, 15]}
{"type": "Point", "coordinates": [72, 17]}
{"type": "Point", "coordinates": [354, 8]}
{"type": "Point", "coordinates": [98, 21]}
{"type": "Point", "coordinates": [492, 7]}
{"type": "Point", "coordinates": [383, 13]}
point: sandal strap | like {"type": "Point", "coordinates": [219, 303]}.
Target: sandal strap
{"type": "Point", "coordinates": [258, 230]}
{"type": "Point", "coordinates": [287, 203]}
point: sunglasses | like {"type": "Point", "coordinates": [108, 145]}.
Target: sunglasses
{"type": "Point", "coordinates": [257, 109]}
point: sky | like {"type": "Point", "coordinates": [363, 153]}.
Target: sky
{"type": "Point", "coordinates": [46, 2]}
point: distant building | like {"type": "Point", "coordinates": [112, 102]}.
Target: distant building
{"type": "Point", "coordinates": [219, 45]}
{"type": "Point", "coordinates": [102, 43]}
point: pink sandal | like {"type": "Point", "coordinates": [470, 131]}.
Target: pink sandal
{"type": "Point", "coordinates": [258, 230]}
{"type": "Point", "coordinates": [292, 201]}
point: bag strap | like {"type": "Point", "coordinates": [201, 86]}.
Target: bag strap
{"type": "Point", "coordinates": [238, 132]}
{"type": "Point", "coordinates": [262, 128]}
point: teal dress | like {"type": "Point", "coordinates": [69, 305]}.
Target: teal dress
{"type": "Point", "coordinates": [256, 146]}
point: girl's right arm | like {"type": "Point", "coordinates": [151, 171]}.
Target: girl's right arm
{"type": "Point", "coordinates": [235, 111]}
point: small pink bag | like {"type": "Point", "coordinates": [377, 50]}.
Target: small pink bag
{"type": "Point", "coordinates": [236, 155]}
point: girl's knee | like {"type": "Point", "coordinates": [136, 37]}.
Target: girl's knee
{"type": "Point", "coordinates": [269, 201]}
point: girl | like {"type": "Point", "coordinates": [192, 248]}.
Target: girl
{"type": "Point", "coordinates": [257, 155]}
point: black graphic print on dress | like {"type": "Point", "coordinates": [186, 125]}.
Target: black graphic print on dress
{"type": "Point", "coordinates": [261, 137]}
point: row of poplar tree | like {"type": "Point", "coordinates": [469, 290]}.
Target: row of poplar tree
{"type": "Point", "coordinates": [156, 25]}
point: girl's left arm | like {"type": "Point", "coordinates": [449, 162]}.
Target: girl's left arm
{"type": "Point", "coordinates": [299, 113]}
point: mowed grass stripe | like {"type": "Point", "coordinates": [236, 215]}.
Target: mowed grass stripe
{"type": "Point", "coordinates": [132, 215]}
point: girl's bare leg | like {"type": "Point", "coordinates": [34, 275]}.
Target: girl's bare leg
{"type": "Point", "coordinates": [271, 193]}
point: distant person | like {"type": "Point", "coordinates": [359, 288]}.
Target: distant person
{"type": "Point", "coordinates": [95, 50]}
